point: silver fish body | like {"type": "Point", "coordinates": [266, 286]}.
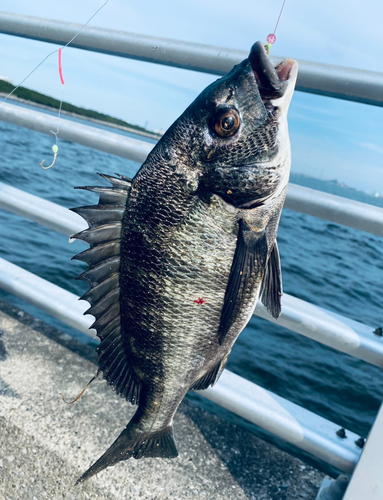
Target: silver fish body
{"type": "Point", "coordinates": [180, 254]}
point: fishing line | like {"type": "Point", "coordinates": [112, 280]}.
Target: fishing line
{"type": "Point", "coordinates": [55, 147]}
{"type": "Point", "coordinates": [53, 52]}
{"type": "Point", "coordinates": [82, 392]}
{"type": "Point", "coordinates": [271, 38]}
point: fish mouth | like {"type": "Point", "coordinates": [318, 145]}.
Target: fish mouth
{"type": "Point", "coordinates": [273, 82]}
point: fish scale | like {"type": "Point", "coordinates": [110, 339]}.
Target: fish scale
{"type": "Point", "coordinates": [180, 254]}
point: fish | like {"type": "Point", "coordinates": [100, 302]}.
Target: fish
{"type": "Point", "coordinates": [180, 254]}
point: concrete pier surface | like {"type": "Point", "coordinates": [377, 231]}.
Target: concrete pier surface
{"type": "Point", "coordinates": [45, 444]}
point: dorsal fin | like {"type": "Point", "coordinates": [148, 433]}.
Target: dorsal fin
{"type": "Point", "coordinates": [102, 275]}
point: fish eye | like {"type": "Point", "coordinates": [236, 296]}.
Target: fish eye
{"type": "Point", "coordinates": [226, 122]}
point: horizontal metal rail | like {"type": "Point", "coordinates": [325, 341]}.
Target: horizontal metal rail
{"type": "Point", "coordinates": [286, 420]}
{"type": "Point", "coordinates": [43, 212]}
{"type": "Point", "coordinates": [328, 328]}
{"type": "Point", "coordinates": [93, 137]}
{"type": "Point", "coordinates": [46, 296]}
{"type": "Point", "coordinates": [322, 205]}
{"type": "Point", "coordinates": [351, 213]}
{"type": "Point", "coordinates": [324, 79]}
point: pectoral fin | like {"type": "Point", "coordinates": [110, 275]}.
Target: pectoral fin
{"type": "Point", "coordinates": [246, 271]}
{"type": "Point", "coordinates": [272, 284]}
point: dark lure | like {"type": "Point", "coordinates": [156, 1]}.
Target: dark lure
{"type": "Point", "coordinates": [180, 254]}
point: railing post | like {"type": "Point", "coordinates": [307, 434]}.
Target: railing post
{"type": "Point", "coordinates": [367, 480]}
{"type": "Point", "coordinates": [333, 489]}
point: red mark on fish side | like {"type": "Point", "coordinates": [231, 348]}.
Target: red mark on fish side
{"type": "Point", "coordinates": [199, 301]}
{"type": "Point", "coordinates": [60, 68]}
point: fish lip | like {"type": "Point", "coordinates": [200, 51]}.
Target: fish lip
{"type": "Point", "coordinates": [272, 81]}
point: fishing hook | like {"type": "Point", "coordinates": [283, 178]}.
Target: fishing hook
{"type": "Point", "coordinates": [55, 151]}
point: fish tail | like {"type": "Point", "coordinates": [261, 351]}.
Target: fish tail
{"type": "Point", "coordinates": [133, 443]}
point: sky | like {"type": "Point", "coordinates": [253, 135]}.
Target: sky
{"type": "Point", "coordinates": [331, 139]}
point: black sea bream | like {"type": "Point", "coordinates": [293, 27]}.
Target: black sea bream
{"type": "Point", "coordinates": [180, 254]}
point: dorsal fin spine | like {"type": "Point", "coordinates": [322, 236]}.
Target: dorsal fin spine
{"type": "Point", "coordinates": [108, 339]}
{"type": "Point", "coordinates": [109, 328]}
{"type": "Point", "coordinates": [99, 273]}
{"type": "Point", "coordinates": [101, 289]}
{"type": "Point", "coordinates": [104, 303]}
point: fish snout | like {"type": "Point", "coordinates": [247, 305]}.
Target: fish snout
{"type": "Point", "coordinates": [273, 82]}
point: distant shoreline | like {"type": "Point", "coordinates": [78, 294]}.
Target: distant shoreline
{"type": "Point", "coordinates": [151, 135]}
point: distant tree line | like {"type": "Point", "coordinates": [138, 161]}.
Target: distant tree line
{"type": "Point", "coordinates": [36, 97]}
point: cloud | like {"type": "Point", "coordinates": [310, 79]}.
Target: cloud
{"type": "Point", "coordinates": [371, 146]}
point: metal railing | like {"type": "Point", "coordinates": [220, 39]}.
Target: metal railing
{"type": "Point", "coordinates": [277, 415]}
{"type": "Point", "coordinates": [317, 78]}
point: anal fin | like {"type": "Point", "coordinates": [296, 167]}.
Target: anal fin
{"type": "Point", "coordinates": [248, 267]}
{"type": "Point", "coordinates": [272, 284]}
{"type": "Point", "coordinates": [210, 378]}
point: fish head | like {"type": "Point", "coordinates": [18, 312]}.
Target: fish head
{"type": "Point", "coordinates": [238, 130]}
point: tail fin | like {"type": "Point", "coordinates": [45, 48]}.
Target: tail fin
{"type": "Point", "coordinates": [132, 443]}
